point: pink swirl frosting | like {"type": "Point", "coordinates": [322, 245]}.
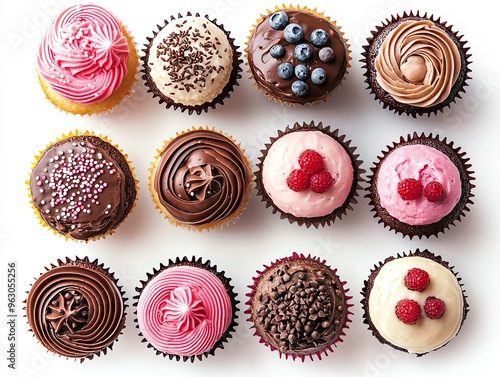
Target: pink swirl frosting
{"type": "Point", "coordinates": [184, 311]}
{"type": "Point", "coordinates": [418, 64]}
{"type": "Point", "coordinates": [83, 55]}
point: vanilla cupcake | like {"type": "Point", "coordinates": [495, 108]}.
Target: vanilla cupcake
{"type": "Point", "coordinates": [201, 179]}
{"type": "Point", "coordinates": [87, 61]}
{"type": "Point", "coordinates": [82, 186]}
{"type": "Point", "coordinates": [191, 63]}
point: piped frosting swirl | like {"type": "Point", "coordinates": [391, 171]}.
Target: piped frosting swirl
{"type": "Point", "coordinates": [83, 55]}
{"type": "Point", "coordinates": [418, 63]}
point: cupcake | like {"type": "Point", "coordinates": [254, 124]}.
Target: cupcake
{"type": "Point", "coordinates": [416, 65]}
{"type": "Point", "coordinates": [297, 55]}
{"type": "Point", "coordinates": [420, 186]}
{"type": "Point", "coordinates": [82, 186]}
{"type": "Point", "coordinates": [200, 179]}
{"type": "Point", "coordinates": [299, 307]}
{"type": "Point", "coordinates": [309, 174]}
{"type": "Point", "coordinates": [186, 309]}
{"type": "Point", "coordinates": [76, 309]}
{"type": "Point", "coordinates": [191, 63]}
{"type": "Point", "coordinates": [87, 61]}
{"type": "Point", "coordinates": [414, 302]}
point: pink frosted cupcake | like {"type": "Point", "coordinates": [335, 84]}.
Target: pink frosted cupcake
{"type": "Point", "coordinates": [309, 174]}
{"type": "Point", "coordinates": [421, 186]}
{"type": "Point", "coordinates": [186, 309]}
{"type": "Point", "coordinates": [299, 307]}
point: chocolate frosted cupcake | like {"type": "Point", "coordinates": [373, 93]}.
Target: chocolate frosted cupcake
{"type": "Point", "coordinates": [299, 307]}
{"type": "Point", "coordinates": [201, 179]}
{"type": "Point", "coordinates": [420, 186]}
{"type": "Point", "coordinates": [191, 63]}
{"type": "Point", "coordinates": [309, 174]}
{"type": "Point", "coordinates": [76, 309]}
{"type": "Point", "coordinates": [416, 65]}
{"type": "Point", "coordinates": [82, 186]}
{"type": "Point", "coordinates": [414, 302]}
{"type": "Point", "coordinates": [87, 61]}
{"type": "Point", "coordinates": [297, 56]}
{"type": "Point", "coordinates": [186, 309]}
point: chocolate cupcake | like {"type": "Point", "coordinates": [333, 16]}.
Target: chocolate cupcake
{"type": "Point", "coordinates": [299, 307]}
{"type": "Point", "coordinates": [421, 186]}
{"type": "Point", "coordinates": [297, 55]}
{"type": "Point", "coordinates": [309, 174]}
{"type": "Point", "coordinates": [191, 63]}
{"type": "Point", "coordinates": [76, 309]}
{"type": "Point", "coordinates": [87, 61]}
{"type": "Point", "coordinates": [82, 186]}
{"type": "Point", "coordinates": [416, 65]}
{"type": "Point", "coordinates": [186, 310]}
{"type": "Point", "coordinates": [414, 302]}
{"type": "Point", "coordinates": [201, 179]}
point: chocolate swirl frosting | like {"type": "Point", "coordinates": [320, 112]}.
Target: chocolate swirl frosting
{"type": "Point", "coordinates": [76, 309]}
{"type": "Point", "coordinates": [418, 63]}
{"type": "Point", "coordinates": [201, 177]}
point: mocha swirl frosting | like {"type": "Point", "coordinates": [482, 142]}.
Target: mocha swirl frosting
{"type": "Point", "coordinates": [418, 64]}
{"type": "Point", "coordinates": [76, 309]}
{"type": "Point", "coordinates": [83, 55]}
{"type": "Point", "coordinates": [201, 177]}
{"type": "Point", "coordinates": [184, 310]}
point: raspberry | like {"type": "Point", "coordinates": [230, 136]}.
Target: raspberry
{"type": "Point", "coordinates": [409, 189]}
{"type": "Point", "coordinates": [417, 279]}
{"type": "Point", "coordinates": [434, 307]}
{"type": "Point", "coordinates": [321, 182]}
{"type": "Point", "coordinates": [311, 162]}
{"type": "Point", "coordinates": [408, 311]}
{"type": "Point", "coordinates": [433, 191]}
{"type": "Point", "coordinates": [297, 180]}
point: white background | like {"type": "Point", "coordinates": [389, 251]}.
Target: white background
{"type": "Point", "coordinates": [353, 245]}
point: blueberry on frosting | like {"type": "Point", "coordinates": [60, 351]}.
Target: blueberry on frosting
{"type": "Point", "coordinates": [277, 51]}
{"type": "Point", "coordinates": [319, 37]}
{"type": "Point", "coordinates": [278, 20]}
{"type": "Point", "coordinates": [303, 52]}
{"type": "Point", "coordinates": [318, 76]}
{"type": "Point", "coordinates": [293, 33]}
{"type": "Point", "coordinates": [300, 88]}
{"type": "Point", "coordinates": [285, 71]}
{"type": "Point", "coordinates": [301, 72]}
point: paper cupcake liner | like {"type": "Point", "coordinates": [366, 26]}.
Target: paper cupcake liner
{"type": "Point", "coordinates": [328, 348]}
{"type": "Point", "coordinates": [198, 109]}
{"type": "Point", "coordinates": [109, 104]}
{"type": "Point", "coordinates": [132, 177]}
{"type": "Point", "coordinates": [315, 12]}
{"type": "Point", "coordinates": [371, 51]}
{"type": "Point", "coordinates": [365, 293]}
{"type": "Point", "coordinates": [199, 263]}
{"type": "Point", "coordinates": [99, 287]}
{"type": "Point", "coordinates": [337, 213]}
{"type": "Point", "coordinates": [217, 224]}
{"type": "Point", "coordinates": [459, 211]}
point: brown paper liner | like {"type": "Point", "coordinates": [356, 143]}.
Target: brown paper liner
{"type": "Point", "coordinates": [365, 293]}
{"type": "Point", "coordinates": [463, 166]}
{"type": "Point", "coordinates": [64, 137]}
{"type": "Point", "coordinates": [371, 51]}
{"type": "Point", "coordinates": [318, 14]}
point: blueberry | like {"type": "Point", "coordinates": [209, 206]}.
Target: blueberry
{"type": "Point", "coordinates": [326, 54]}
{"type": "Point", "coordinates": [299, 88]}
{"type": "Point", "coordinates": [303, 52]}
{"type": "Point", "coordinates": [301, 72]}
{"type": "Point", "coordinates": [285, 71]}
{"type": "Point", "coordinates": [293, 33]}
{"type": "Point", "coordinates": [277, 51]}
{"type": "Point", "coordinates": [319, 37]}
{"type": "Point", "coordinates": [318, 76]}
{"type": "Point", "coordinates": [278, 20]}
